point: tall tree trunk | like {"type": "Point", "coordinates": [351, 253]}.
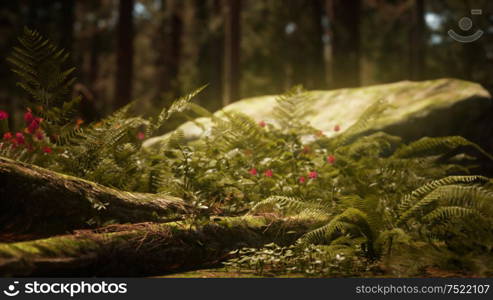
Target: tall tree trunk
{"type": "Point", "coordinates": [169, 48]}
{"type": "Point", "coordinates": [211, 53]}
{"type": "Point", "coordinates": [125, 52]}
{"type": "Point", "coordinates": [416, 60]}
{"type": "Point", "coordinates": [67, 24]}
{"type": "Point", "coordinates": [345, 19]}
{"type": "Point", "coordinates": [232, 31]}
{"type": "Point", "coordinates": [315, 71]}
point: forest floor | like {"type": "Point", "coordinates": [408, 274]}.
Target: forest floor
{"type": "Point", "coordinates": [222, 272]}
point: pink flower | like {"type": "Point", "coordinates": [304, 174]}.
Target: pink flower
{"type": "Point", "coordinates": [337, 128]}
{"type": "Point", "coordinates": [3, 115]}
{"type": "Point", "coordinates": [262, 124]}
{"type": "Point", "coordinates": [302, 179]}
{"type": "Point", "coordinates": [28, 116]}
{"type": "Point", "coordinates": [141, 135]}
{"type": "Point", "coordinates": [312, 175]}
{"type": "Point", "coordinates": [7, 136]}
{"type": "Point", "coordinates": [34, 125]}
{"type": "Point", "coordinates": [331, 159]}
{"type": "Point", "coordinates": [253, 171]}
{"type": "Point", "coordinates": [47, 149]}
{"type": "Point", "coordinates": [268, 173]}
{"type": "Point", "coordinates": [19, 138]}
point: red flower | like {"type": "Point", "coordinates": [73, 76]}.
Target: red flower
{"type": "Point", "coordinates": [253, 171]}
{"type": "Point", "coordinates": [331, 159]}
{"type": "Point", "coordinates": [337, 128]}
{"type": "Point", "coordinates": [262, 124]}
{"type": "Point", "coordinates": [312, 175]}
{"type": "Point", "coordinates": [302, 179]}
{"type": "Point", "coordinates": [268, 173]}
{"type": "Point", "coordinates": [34, 125]}
{"type": "Point", "coordinates": [47, 149]}
{"type": "Point", "coordinates": [141, 135]}
{"type": "Point", "coordinates": [7, 136]}
{"type": "Point", "coordinates": [3, 115]}
{"type": "Point", "coordinates": [19, 138]}
{"type": "Point", "coordinates": [306, 149]}
{"type": "Point", "coordinates": [28, 116]}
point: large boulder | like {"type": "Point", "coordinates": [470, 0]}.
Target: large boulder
{"type": "Point", "coordinates": [427, 108]}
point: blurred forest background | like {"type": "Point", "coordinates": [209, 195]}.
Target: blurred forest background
{"type": "Point", "coordinates": [156, 50]}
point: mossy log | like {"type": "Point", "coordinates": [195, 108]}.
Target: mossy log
{"type": "Point", "coordinates": [146, 248]}
{"type": "Point", "coordinates": [36, 200]}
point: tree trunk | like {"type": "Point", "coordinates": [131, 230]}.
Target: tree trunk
{"type": "Point", "coordinates": [41, 202]}
{"type": "Point", "coordinates": [125, 52]}
{"type": "Point", "coordinates": [417, 42]}
{"type": "Point", "coordinates": [146, 249]}
{"type": "Point", "coordinates": [211, 53]}
{"type": "Point", "coordinates": [232, 32]}
{"type": "Point", "coordinates": [67, 24]}
{"type": "Point", "coordinates": [169, 46]}
{"type": "Point", "coordinates": [345, 20]}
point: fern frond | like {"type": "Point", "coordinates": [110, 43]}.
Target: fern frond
{"type": "Point", "coordinates": [292, 108]}
{"type": "Point", "coordinates": [351, 221]}
{"type": "Point", "coordinates": [39, 66]}
{"type": "Point", "coordinates": [177, 106]}
{"type": "Point", "coordinates": [450, 195]}
{"type": "Point", "coordinates": [237, 130]}
{"type": "Point", "coordinates": [419, 193]}
{"type": "Point", "coordinates": [436, 146]}
{"type": "Point", "coordinates": [290, 203]}
{"type": "Point", "coordinates": [361, 125]}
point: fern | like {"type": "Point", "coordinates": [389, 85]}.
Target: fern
{"type": "Point", "coordinates": [292, 108]}
{"type": "Point", "coordinates": [39, 66]}
{"type": "Point", "coordinates": [361, 125]}
{"type": "Point", "coordinates": [352, 222]}
{"type": "Point", "coordinates": [410, 200]}
{"type": "Point", "coordinates": [179, 105]}
{"type": "Point", "coordinates": [455, 195]}
{"type": "Point", "coordinates": [436, 146]}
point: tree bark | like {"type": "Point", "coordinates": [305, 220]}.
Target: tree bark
{"type": "Point", "coordinates": [211, 56]}
{"type": "Point", "coordinates": [345, 20]}
{"type": "Point", "coordinates": [67, 24]}
{"type": "Point", "coordinates": [41, 202]}
{"type": "Point", "coordinates": [232, 32]}
{"type": "Point", "coordinates": [125, 53]}
{"type": "Point", "coordinates": [417, 42]}
{"type": "Point", "coordinates": [169, 45]}
{"type": "Point", "coordinates": [146, 249]}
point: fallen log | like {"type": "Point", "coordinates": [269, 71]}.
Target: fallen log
{"type": "Point", "coordinates": [146, 249]}
{"type": "Point", "coordinates": [39, 201]}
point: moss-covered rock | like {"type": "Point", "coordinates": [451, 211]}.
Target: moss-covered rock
{"type": "Point", "coordinates": [428, 108]}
